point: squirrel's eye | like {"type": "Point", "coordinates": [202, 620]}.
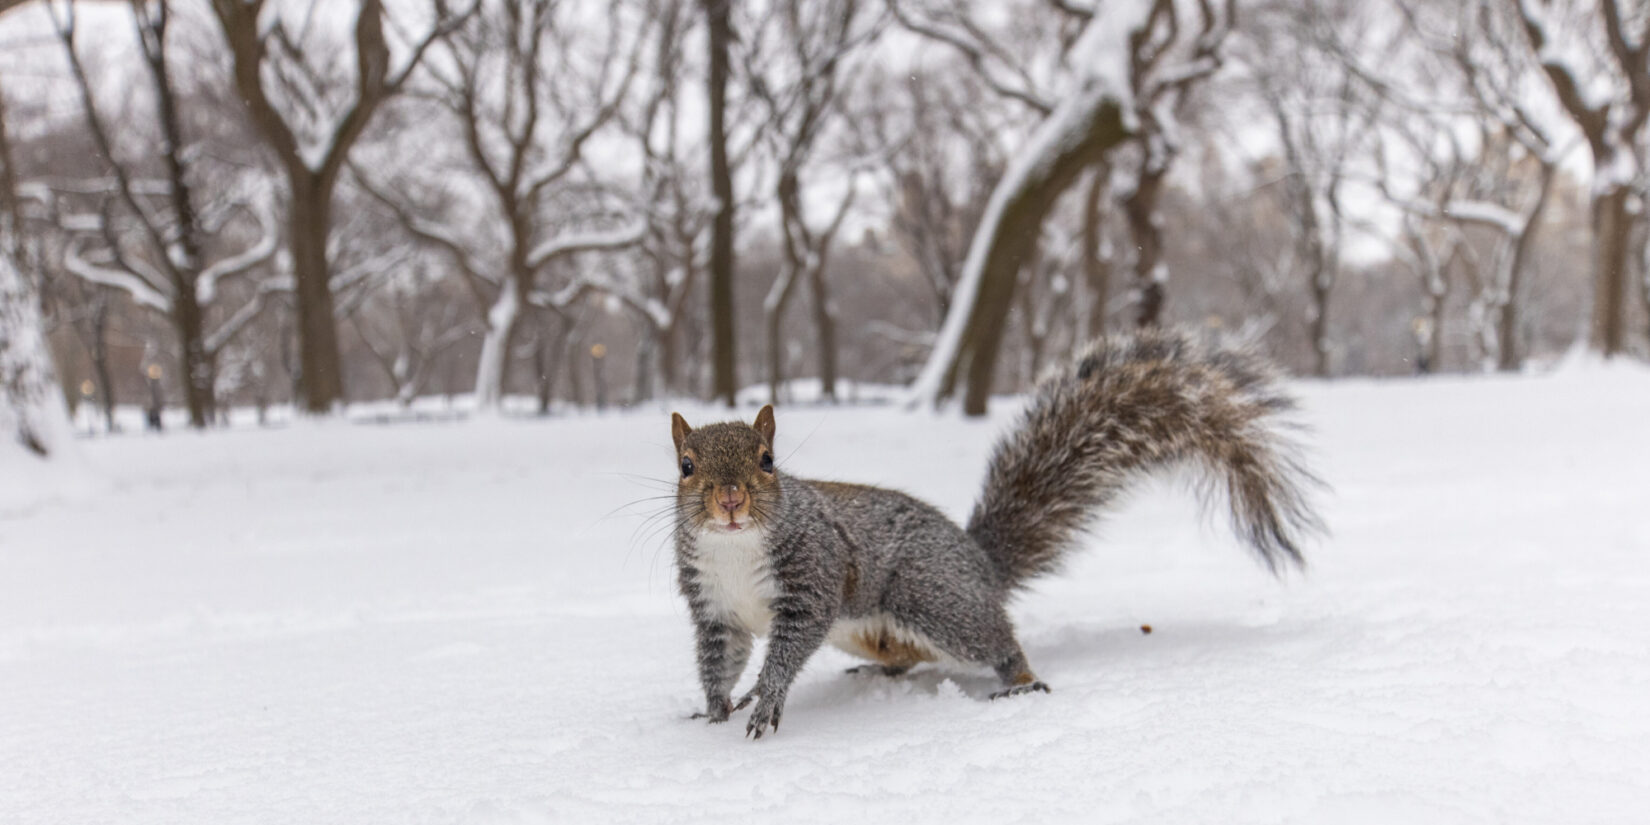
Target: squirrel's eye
{"type": "Point", "coordinates": [687, 466]}
{"type": "Point", "coordinates": [767, 462]}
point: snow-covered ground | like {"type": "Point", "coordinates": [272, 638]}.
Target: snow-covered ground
{"type": "Point", "coordinates": [474, 622]}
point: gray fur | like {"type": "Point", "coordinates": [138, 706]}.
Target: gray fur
{"type": "Point", "coordinates": [845, 552]}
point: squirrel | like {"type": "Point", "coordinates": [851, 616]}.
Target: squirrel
{"type": "Point", "coordinates": [890, 579]}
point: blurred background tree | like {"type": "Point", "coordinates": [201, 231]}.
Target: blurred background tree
{"type": "Point", "coordinates": [299, 203]}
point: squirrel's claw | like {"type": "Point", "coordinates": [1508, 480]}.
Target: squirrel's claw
{"type": "Point", "coordinates": [746, 699]}
{"type": "Point", "coordinates": [765, 715]}
{"type": "Point", "coordinates": [1019, 689]}
{"type": "Point", "coordinates": [715, 712]}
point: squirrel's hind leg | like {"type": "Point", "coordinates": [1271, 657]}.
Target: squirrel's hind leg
{"type": "Point", "coordinates": [972, 628]}
{"type": "Point", "coordinates": [1017, 677]}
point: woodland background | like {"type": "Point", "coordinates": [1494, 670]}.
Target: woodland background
{"type": "Point", "coordinates": [263, 202]}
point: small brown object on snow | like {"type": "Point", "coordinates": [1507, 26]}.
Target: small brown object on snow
{"type": "Point", "coordinates": [1146, 628]}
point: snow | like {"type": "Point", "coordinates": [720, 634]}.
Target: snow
{"type": "Point", "coordinates": [339, 623]}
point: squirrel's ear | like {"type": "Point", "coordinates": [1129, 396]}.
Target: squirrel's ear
{"type": "Point", "coordinates": [764, 423]}
{"type": "Point", "coordinates": [679, 430]}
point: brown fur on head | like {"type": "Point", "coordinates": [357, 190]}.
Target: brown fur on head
{"type": "Point", "coordinates": [726, 477]}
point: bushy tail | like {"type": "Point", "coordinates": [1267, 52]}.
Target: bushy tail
{"type": "Point", "coordinates": [1137, 403]}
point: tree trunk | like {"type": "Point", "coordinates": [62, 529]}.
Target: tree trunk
{"type": "Point", "coordinates": [1008, 241]}
{"type": "Point", "coordinates": [1440, 301]}
{"type": "Point", "coordinates": [310, 221]}
{"type": "Point", "coordinates": [1612, 229]}
{"type": "Point", "coordinates": [724, 346]}
{"type": "Point", "coordinates": [1096, 265]}
{"type": "Point", "coordinates": [1319, 326]}
{"type": "Point", "coordinates": [824, 327]}
{"type": "Point", "coordinates": [100, 361]}
{"type": "Point", "coordinates": [493, 371]}
{"type": "Point", "coordinates": [646, 352]}
{"type": "Point", "coordinates": [1140, 208]}
{"type": "Point", "coordinates": [198, 377]}
{"type": "Point", "coordinates": [1028, 319]}
{"type": "Point", "coordinates": [32, 414]}
{"type": "Point", "coordinates": [669, 378]}
{"type": "Point", "coordinates": [575, 377]}
{"type": "Point", "coordinates": [1511, 314]}
{"type": "Point", "coordinates": [198, 371]}
{"type": "Point", "coordinates": [774, 310]}
{"type": "Point", "coordinates": [548, 357]}
{"type": "Point", "coordinates": [1644, 284]}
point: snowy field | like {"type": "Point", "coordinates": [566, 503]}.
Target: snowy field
{"type": "Point", "coordinates": [465, 622]}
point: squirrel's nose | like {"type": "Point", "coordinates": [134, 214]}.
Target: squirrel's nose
{"type": "Point", "coordinates": [731, 497]}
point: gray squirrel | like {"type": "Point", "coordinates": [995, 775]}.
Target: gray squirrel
{"type": "Point", "coordinates": [890, 579]}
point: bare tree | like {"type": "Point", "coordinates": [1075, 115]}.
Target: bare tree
{"type": "Point", "coordinates": [1160, 144]}
{"type": "Point", "coordinates": [311, 129]}
{"type": "Point", "coordinates": [1611, 123]}
{"type": "Point", "coordinates": [159, 240]}
{"type": "Point", "coordinates": [1323, 119]}
{"type": "Point", "coordinates": [798, 86]}
{"type": "Point", "coordinates": [32, 416]}
{"type": "Point", "coordinates": [1123, 56]}
{"type": "Point", "coordinates": [406, 327]}
{"type": "Point", "coordinates": [1486, 161]}
{"type": "Point", "coordinates": [514, 79]}
{"type": "Point", "coordinates": [673, 252]}
{"type": "Point", "coordinates": [1431, 250]}
{"type": "Point", "coordinates": [931, 134]}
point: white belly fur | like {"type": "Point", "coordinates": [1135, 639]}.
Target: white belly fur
{"type": "Point", "coordinates": [737, 580]}
{"type": "Point", "coordinates": [735, 577]}
{"type": "Point", "coordinates": [853, 635]}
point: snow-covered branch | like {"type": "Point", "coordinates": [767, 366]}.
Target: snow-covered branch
{"type": "Point", "coordinates": [142, 291]}
{"type": "Point", "coordinates": [260, 250]}
{"type": "Point", "coordinates": [571, 243]}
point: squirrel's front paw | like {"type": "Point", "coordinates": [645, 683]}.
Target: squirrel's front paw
{"type": "Point", "coordinates": [716, 710]}
{"type": "Point", "coordinates": [764, 715]}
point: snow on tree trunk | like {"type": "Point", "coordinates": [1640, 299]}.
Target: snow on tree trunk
{"type": "Point", "coordinates": [495, 349]}
{"type": "Point", "coordinates": [1096, 116]}
{"type": "Point", "coordinates": [33, 420]}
